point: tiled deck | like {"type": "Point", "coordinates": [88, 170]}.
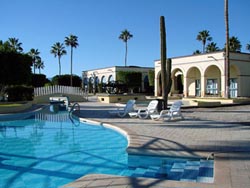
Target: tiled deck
{"type": "Point", "coordinates": [224, 131]}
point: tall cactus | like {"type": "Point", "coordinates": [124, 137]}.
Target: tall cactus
{"type": "Point", "coordinates": [165, 70]}
{"type": "Point", "coordinates": [169, 80]}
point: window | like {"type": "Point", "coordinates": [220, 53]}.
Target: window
{"type": "Point", "coordinates": [212, 87]}
{"type": "Point", "coordinates": [233, 87]}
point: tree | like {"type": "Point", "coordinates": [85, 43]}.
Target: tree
{"type": "Point", "coordinates": [248, 47]}
{"type": "Point", "coordinates": [196, 52]}
{"type": "Point", "coordinates": [15, 68]}
{"type": "Point", "coordinates": [58, 50]}
{"type": "Point", "coordinates": [73, 43]}
{"type": "Point", "coordinates": [131, 79]}
{"type": "Point", "coordinates": [34, 54]}
{"type": "Point", "coordinates": [40, 65]}
{"type": "Point", "coordinates": [165, 69]}
{"type": "Point", "coordinates": [227, 59]}
{"type": "Point", "coordinates": [212, 47]}
{"type": "Point", "coordinates": [234, 44]}
{"type": "Point", "coordinates": [125, 36]}
{"type": "Point", "coordinates": [15, 45]}
{"type": "Point", "coordinates": [4, 46]}
{"type": "Point", "coordinates": [204, 36]}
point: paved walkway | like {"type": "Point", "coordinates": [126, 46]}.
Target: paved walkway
{"type": "Point", "coordinates": [223, 131]}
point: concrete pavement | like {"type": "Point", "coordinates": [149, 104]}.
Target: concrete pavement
{"type": "Point", "coordinates": [223, 132]}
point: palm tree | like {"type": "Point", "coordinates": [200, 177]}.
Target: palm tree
{"type": "Point", "coordinates": [125, 36]}
{"type": "Point", "coordinates": [73, 43]}
{"type": "Point", "coordinates": [248, 47]}
{"type": "Point", "coordinates": [5, 46]}
{"type": "Point", "coordinates": [58, 50]}
{"type": "Point", "coordinates": [227, 59]}
{"type": "Point", "coordinates": [204, 36]}
{"type": "Point", "coordinates": [234, 44]}
{"type": "Point", "coordinates": [212, 47]}
{"type": "Point", "coordinates": [15, 45]}
{"type": "Point", "coordinates": [196, 52]}
{"type": "Point", "coordinates": [39, 64]}
{"type": "Point", "coordinates": [34, 53]}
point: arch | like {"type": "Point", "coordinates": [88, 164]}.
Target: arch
{"type": "Point", "coordinates": [90, 80]}
{"type": "Point", "coordinates": [97, 80]}
{"type": "Point", "coordinates": [193, 82]}
{"type": "Point", "coordinates": [177, 81]}
{"type": "Point", "coordinates": [85, 81]}
{"type": "Point", "coordinates": [111, 78]}
{"type": "Point", "coordinates": [212, 80]}
{"type": "Point", "coordinates": [234, 71]}
{"type": "Point", "coordinates": [103, 80]}
{"type": "Point", "coordinates": [159, 88]}
{"type": "Point", "coordinates": [146, 84]}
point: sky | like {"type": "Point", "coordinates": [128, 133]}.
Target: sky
{"type": "Point", "coordinates": [98, 23]}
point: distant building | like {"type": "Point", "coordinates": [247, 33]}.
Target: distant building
{"type": "Point", "coordinates": [104, 75]}
{"type": "Point", "coordinates": [203, 75]}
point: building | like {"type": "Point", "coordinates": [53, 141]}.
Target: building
{"type": "Point", "coordinates": [203, 75]}
{"type": "Point", "coordinates": [104, 75]}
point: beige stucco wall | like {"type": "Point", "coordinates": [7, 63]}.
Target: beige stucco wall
{"type": "Point", "coordinates": [209, 66]}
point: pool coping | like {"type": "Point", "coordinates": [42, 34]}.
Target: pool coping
{"type": "Point", "coordinates": [223, 170]}
{"type": "Point", "coordinates": [90, 180]}
{"type": "Point", "coordinates": [228, 172]}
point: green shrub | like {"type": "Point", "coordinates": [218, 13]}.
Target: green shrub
{"type": "Point", "coordinates": [20, 93]}
{"type": "Point", "coordinates": [38, 80]}
{"type": "Point", "coordinates": [64, 80]}
{"type": "Point", "coordinates": [131, 79]}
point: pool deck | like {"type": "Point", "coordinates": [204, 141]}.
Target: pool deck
{"type": "Point", "coordinates": [224, 131]}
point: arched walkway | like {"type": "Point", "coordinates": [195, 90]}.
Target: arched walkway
{"type": "Point", "coordinates": [177, 81]}
{"type": "Point", "coordinates": [212, 78]}
{"type": "Point", "coordinates": [193, 80]}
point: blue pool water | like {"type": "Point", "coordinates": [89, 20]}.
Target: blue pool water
{"type": "Point", "coordinates": [48, 150]}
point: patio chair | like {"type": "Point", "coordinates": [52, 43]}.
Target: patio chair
{"type": "Point", "coordinates": [122, 111]}
{"type": "Point", "coordinates": [144, 113]}
{"type": "Point", "coordinates": [174, 111]}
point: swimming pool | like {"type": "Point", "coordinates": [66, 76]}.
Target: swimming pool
{"type": "Point", "coordinates": [48, 150]}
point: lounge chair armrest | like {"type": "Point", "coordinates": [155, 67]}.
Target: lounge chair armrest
{"type": "Point", "coordinates": [141, 111]}
{"type": "Point", "coordinates": [151, 111]}
{"type": "Point", "coordinates": [164, 112]}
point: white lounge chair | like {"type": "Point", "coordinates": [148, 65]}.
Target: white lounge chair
{"type": "Point", "coordinates": [122, 111]}
{"type": "Point", "coordinates": [144, 113]}
{"type": "Point", "coordinates": [174, 111]}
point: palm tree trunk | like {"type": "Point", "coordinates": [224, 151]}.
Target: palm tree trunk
{"type": "Point", "coordinates": [227, 63]}
{"type": "Point", "coordinates": [59, 62]}
{"type": "Point", "coordinates": [71, 63]}
{"type": "Point", "coordinates": [34, 69]}
{"type": "Point", "coordinates": [126, 53]}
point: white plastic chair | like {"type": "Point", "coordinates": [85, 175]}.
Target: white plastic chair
{"type": "Point", "coordinates": [144, 113]}
{"type": "Point", "coordinates": [174, 111]}
{"type": "Point", "coordinates": [123, 111]}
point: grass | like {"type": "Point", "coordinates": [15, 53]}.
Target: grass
{"type": "Point", "coordinates": [10, 105]}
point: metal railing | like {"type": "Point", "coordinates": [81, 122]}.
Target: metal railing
{"type": "Point", "coordinates": [73, 108]}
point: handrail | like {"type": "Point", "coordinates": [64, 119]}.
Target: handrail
{"type": "Point", "coordinates": [73, 107]}
{"type": "Point", "coordinates": [71, 111]}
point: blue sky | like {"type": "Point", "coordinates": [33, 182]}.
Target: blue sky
{"type": "Point", "coordinates": [98, 23]}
